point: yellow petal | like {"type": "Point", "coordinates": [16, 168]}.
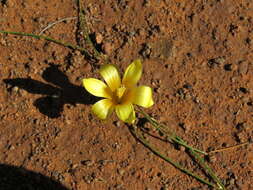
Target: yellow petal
{"type": "Point", "coordinates": [97, 87]}
{"type": "Point", "coordinates": [131, 118]}
{"type": "Point", "coordinates": [143, 96]}
{"type": "Point", "coordinates": [102, 108]}
{"type": "Point", "coordinates": [111, 76]}
{"type": "Point", "coordinates": [132, 73]}
{"type": "Point", "coordinates": [125, 112]}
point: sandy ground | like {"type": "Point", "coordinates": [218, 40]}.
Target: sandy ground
{"type": "Point", "coordinates": [197, 56]}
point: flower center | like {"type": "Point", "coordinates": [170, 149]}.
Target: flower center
{"type": "Point", "coordinates": [119, 93]}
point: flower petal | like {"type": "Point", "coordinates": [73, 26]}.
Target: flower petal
{"type": "Point", "coordinates": [102, 108]}
{"type": "Point", "coordinates": [131, 118]}
{"type": "Point", "coordinates": [132, 74]}
{"type": "Point", "coordinates": [97, 88]}
{"type": "Point", "coordinates": [143, 96]}
{"type": "Point", "coordinates": [125, 112]}
{"type": "Point", "coordinates": [111, 76]}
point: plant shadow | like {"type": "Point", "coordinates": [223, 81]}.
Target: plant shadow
{"type": "Point", "coordinates": [56, 92]}
{"type": "Point", "coordinates": [17, 178]}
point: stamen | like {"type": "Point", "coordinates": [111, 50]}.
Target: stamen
{"type": "Point", "coordinates": [120, 92]}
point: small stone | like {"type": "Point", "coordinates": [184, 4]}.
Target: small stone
{"type": "Point", "coordinates": [15, 89]}
{"type": "Point", "coordinates": [158, 90]}
{"type": "Point", "coordinates": [141, 32]}
{"type": "Point", "coordinates": [87, 162]}
{"type": "Point", "coordinates": [228, 67]}
{"type": "Point", "coordinates": [68, 122]}
{"type": "Point", "coordinates": [11, 147]}
{"type": "Point", "coordinates": [77, 59]}
{"type": "Point", "coordinates": [232, 181]}
{"type": "Point", "coordinates": [243, 68]}
{"type": "Point", "coordinates": [187, 86]}
{"type": "Point", "coordinates": [23, 92]}
{"type": "Point", "coordinates": [243, 90]}
{"type": "Point", "coordinates": [117, 123]}
{"type": "Point", "coordinates": [121, 172]}
{"type": "Point", "coordinates": [88, 179]}
{"type": "Point", "coordinates": [147, 3]}
{"type": "Point", "coordinates": [3, 42]}
{"type": "Point", "coordinates": [87, 68]}
{"type": "Point", "coordinates": [74, 166]}
{"type": "Point", "coordinates": [146, 50]}
{"type": "Point", "coordinates": [234, 67]}
{"type": "Point", "coordinates": [182, 148]}
{"type": "Point", "coordinates": [99, 38]}
{"type": "Point", "coordinates": [107, 47]}
{"type": "Point", "coordinates": [241, 137]}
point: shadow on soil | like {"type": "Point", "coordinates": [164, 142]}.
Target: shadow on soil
{"type": "Point", "coordinates": [15, 178]}
{"type": "Point", "coordinates": [56, 95]}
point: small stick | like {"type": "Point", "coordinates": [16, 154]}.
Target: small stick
{"type": "Point", "coordinates": [66, 44]}
{"type": "Point", "coordinates": [229, 148]}
{"type": "Point", "coordinates": [56, 22]}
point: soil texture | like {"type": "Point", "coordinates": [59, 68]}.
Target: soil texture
{"type": "Point", "coordinates": [197, 56]}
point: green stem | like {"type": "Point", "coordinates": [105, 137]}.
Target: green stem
{"type": "Point", "coordinates": [65, 44]}
{"type": "Point", "coordinates": [158, 153]}
{"type": "Point", "coordinates": [208, 170]}
{"type": "Point", "coordinates": [85, 32]}
{"type": "Point", "coordinates": [193, 151]}
{"type": "Point", "coordinates": [173, 137]}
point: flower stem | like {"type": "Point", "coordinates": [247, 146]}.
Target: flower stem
{"type": "Point", "coordinates": [193, 151]}
{"type": "Point", "coordinates": [85, 32]}
{"type": "Point", "coordinates": [173, 137]}
{"type": "Point", "coordinates": [167, 159]}
{"type": "Point", "coordinates": [65, 44]}
{"type": "Point", "coordinates": [207, 169]}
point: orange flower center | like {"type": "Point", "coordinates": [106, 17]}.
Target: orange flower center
{"type": "Point", "coordinates": [119, 94]}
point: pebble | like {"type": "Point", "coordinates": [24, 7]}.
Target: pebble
{"type": "Point", "coordinates": [228, 67]}
{"type": "Point", "coordinates": [99, 38]}
{"type": "Point", "coordinates": [117, 123]}
{"type": "Point", "coordinates": [119, 186]}
{"type": "Point", "coordinates": [146, 50]}
{"type": "Point", "coordinates": [121, 172]}
{"type": "Point", "coordinates": [158, 90]}
{"type": "Point", "coordinates": [74, 166]}
{"type": "Point", "coordinates": [243, 68]}
{"type": "Point", "coordinates": [23, 92]}
{"type": "Point", "coordinates": [3, 42]}
{"type": "Point", "coordinates": [147, 3]}
{"type": "Point", "coordinates": [15, 89]}
{"type": "Point", "coordinates": [141, 32]}
{"type": "Point", "coordinates": [68, 121]}
{"type": "Point", "coordinates": [107, 47]}
{"type": "Point", "coordinates": [182, 148]}
{"type": "Point", "coordinates": [88, 179]}
{"type": "Point", "coordinates": [232, 181]}
{"type": "Point", "coordinates": [241, 136]}
{"type": "Point", "coordinates": [87, 162]}
{"type": "Point", "coordinates": [77, 59]}
{"type": "Point", "coordinates": [87, 68]}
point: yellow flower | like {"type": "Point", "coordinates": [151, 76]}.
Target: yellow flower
{"type": "Point", "coordinates": [119, 95]}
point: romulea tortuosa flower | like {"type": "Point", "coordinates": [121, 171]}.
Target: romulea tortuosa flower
{"type": "Point", "coordinates": [119, 95]}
